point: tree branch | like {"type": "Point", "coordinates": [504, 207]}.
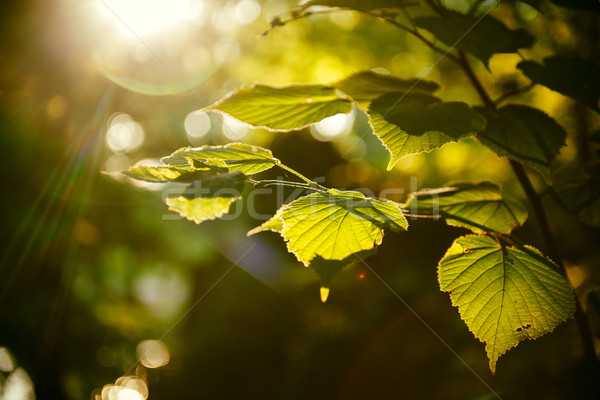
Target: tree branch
{"type": "Point", "coordinates": [414, 32]}
{"type": "Point", "coordinates": [466, 66]}
{"type": "Point", "coordinates": [514, 92]}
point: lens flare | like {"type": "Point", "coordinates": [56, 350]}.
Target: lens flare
{"type": "Point", "coordinates": [334, 127]}
{"type": "Point", "coordinates": [153, 353]}
{"type": "Point", "coordinates": [142, 17]}
{"type": "Point", "coordinates": [124, 135]}
{"type": "Point", "coordinates": [197, 124]}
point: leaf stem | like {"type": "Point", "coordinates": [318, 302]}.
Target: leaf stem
{"type": "Point", "coordinates": [270, 182]}
{"type": "Point", "coordinates": [312, 184]}
{"type": "Point", "coordinates": [514, 92]}
{"type": "Point", "coordinates": [414, 32]}
{"type": "Point", "coordinates": [293, 171]}
{"type": "Point", "coordinates": [424, 216]}
{"type": "Point", "coordinates": [466, 66]}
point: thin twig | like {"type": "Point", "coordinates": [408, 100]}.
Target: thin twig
{"type": "Point", "coordinates": [276, 182]}
{"type": "Point", "coordinates": [413, 32]}
{"type": "Point", "coordinates": [466, 66]}
{"type": "Point", "coordinates": [514, 92]}
{"type": "Point", "coordinates": [299, 175]}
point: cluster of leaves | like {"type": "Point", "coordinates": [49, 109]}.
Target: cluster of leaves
{"type": "Point", "coordinates": [506, 292]}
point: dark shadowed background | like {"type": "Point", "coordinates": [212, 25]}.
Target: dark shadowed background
{"type": "Point", "coordinates": [94, 269]}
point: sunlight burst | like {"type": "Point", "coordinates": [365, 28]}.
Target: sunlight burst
{"type": "Point", "coordinates": [142, 17]}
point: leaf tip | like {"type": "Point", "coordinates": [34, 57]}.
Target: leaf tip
{"type": "Point", "coordinates": [324, 293]}
{"type": "Point", "coordinates": [493, 362]}
{"type": "Point", "coordinates": [254, 231]}
{"type": "Point", "coordinates": [392, 163]}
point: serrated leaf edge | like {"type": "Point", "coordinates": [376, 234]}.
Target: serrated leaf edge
{"type": "Point", "coordinates": [449, 186]}
{"type": "Point", "coordinates": [493, 362]}
{"type": "Point", "coordinates": [209, 218]}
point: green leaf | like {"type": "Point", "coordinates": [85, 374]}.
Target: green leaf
{"type": "Point", "coordinates": [479, 207]}
{"type": "Point", "coordinates": [365, 86]}
{"type": "Point", "coordinates": [524, 134]}
{"type": "Point", "coordinates": [573, 77]}
{"type": "Point", "coordinates": [233, 156]}
{"type": "Point", "coordinates": [504, 294]}
{"type": "Point", "coordinates": [186, 173]}
{"type": "Point", "coordinates": [361, 5]}
{"type": "Point", "coordinates": [325, 269]}
{"type": "Point", "coordinates": [579, 193]}
{"type": "Point", "coordinates": [334, 224]}
{"type": "Point", "coordinates": [210, 198]}
{"type": "Point", "coordinates": [482, 37]}
{"type": "Point", "coordinates": [283, 109]}
{"type": "Point", "coordinates": [274, 224]}
{"type": "Point", "coordinates": [409, 123]}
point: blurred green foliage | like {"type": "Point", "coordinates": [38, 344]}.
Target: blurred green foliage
{"type": "Point", "coordinates": [91, 267]}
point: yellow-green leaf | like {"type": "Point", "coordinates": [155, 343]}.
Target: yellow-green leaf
{"type": "Point", "coordinates": [283, 108]}
{"type": "Point", "coordinates": [274, 224]}
{"type": "Point", "coordinates": [365, 86]}
{"type": "Point", "coordinates": [209, 198]}
{"type": "Point", "coordinates": [167, 173]}
{"type": "Point", "coordinates": [324, 268]}
{"type": "Point", "coordinates": [233, 156]}
{"type": "Point", "coordinates": [504, 294]}
{"type": "Point", "coordinates": [479, 207]}
{"type": "Point", "coordinates": [334, 224]}
{"type": "Point", "coordinates": [409, 123]}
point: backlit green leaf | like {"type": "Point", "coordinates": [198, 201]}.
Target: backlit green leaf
{"type": "Point", "coordinates": [409, 123]}
{"type": "Point", "coordinates": [283, 109]}
{"type": "Point", "coordinates": [573, 77]}
{"type": "Point", "coordinates": [187, 173]}
{"type": "Point", "coordinates": [325, 269]}
{"type": "Point", "coordinates": [504, 294]}
{"type": "Point", "coordinates": [334, 224]}
{"type": "Point", "coordinates": [233, 156]}
{"type": "Point", "coordinates": [482, 37]}
{"type": "Point", "coordinates": [209, 198]}
{"type": "Point", "coordinates": [365, 86]}
{"type": "Point", "coordinates": [524, 134]}
{"type": "Point", "coordinates": [274, 224]}
{"type": "Point", "coordinates": [579, 193]}
{"type": "Point", "coordinates": [476, 206]}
